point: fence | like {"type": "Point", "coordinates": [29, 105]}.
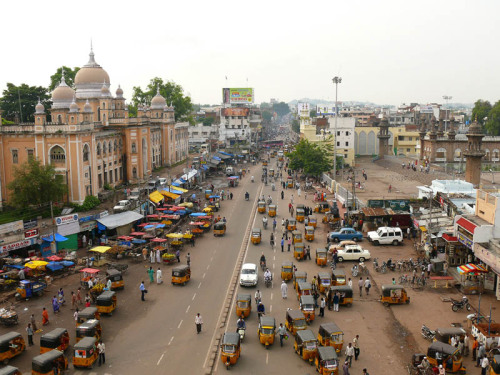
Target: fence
{"type": "Point", "coordinates": [343, 195]}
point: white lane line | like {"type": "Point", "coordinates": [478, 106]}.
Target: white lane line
{"type": "Point", "coordinates": [271, 308]}
{"type": "Point", "coordinates": [158, 363]}
{"type": "Point", "coordinates": [208, 267]}
{"type": "Point", "coordinates": [274, 257]}
{"type": "Point", "coordinates": [171, 339]}
{"type": "Point", "coordinates": [199, 285]}
{"type": "Point", "coordinates": [193, 297]}
{"type": "Point", "coordinates": [204, 275]}
{"type": "Point", "coordinates": [267, 358]}
{"type": "Point", "coordinates": [272, 296]}
{"type": "Point", "coordinates": [188, 309]}
{"type": "Point", "coordinates": [273, 266]}
{"type": "Point", "coordinates": [179, 326]}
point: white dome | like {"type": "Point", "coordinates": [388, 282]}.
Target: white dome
{"type": "Point", "coordinates": [158, 102]}
{"type": "Point", "coordinates": [89, 79]}
{"type": "Point", "coordinates": [87, 108]}
{"type": "Point", "coordinates": [62, 96]}
{"type": "Point", "coordinates": [39, 108]}
{"type": "Point", "coordinates": [119, 92]}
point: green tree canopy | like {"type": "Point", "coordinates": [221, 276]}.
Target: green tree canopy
{"type": "Point", "coordinates": [312, 158]}
{"type": "Point", "coordinates": [172, 92]}
{"type": "Point", "coordinates": [69, 77]}
{"type": "Point", "coordinates": [493, 123]}
{"type": "Point", "coordinates": [207, 121]}
{"type": "Point", "coordinates": [481, 110]}
{"type": "Point", "coordinates": [35, 184]}
{"type": "Point", "coordinates": [281, 108]}
{"type": "Point", "coordinates": [267, 116]}
{"type": "Point", "coordinates": [23, 98]}
{"type": "Point", "coordinates": [296, 126]}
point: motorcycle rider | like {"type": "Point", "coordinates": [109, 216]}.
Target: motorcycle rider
{"type": "Point", "coordinates": [264, 222]}
{"type": "Point", "coordinates": [252, 179]}
{"type": "Point", "coordinates": [268, 275]}
{"type": "Point", "coordinates": [247, 196]}
{"type": "Point", "coordinates": [258, 297]}
{"type": "Point", "coordinates": [240, 324]}
{"type": "Point", "coordinates": [261, 309]}
{"type": "Point", "coordinates": [263, 260]}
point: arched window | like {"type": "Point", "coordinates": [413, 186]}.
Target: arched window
{"type": "Point", "coordinates": [86, 152]}
{"type": "Point", "coordinates": [103, 105]}
{"type": "Point", "coordinates": [134, 150]}
{"type": "Point", "coordinates": [59, 119]}
{"type": "Point", "coordinates": [120, 145]}
{"type": "Point", "coordinates": [115, 146]}
{"type": "Point", "coordinates": [110, 147]}
{"type": "Point", "coordinates": [57, 154]}
{"type": "Point", "coordinates": [134, 172]}
{"type": "Point", "coordinates": [98, 151]}
{"type": "Point", "coordinates": [104, 148]}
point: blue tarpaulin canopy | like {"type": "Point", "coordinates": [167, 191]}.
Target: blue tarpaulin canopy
{"type": "Point", "coordinates": [59, 238]}
{"type": "Point", "coordinates": [204, 167]}
{"type": "Point", "coordinates": [225, 153]}
{"type": "Point", "coordinates": [54, 266]}
{"type": "Point", "coordinates": [214, 196]}
{"type": "Point", "coordinates": [160, 226]}
{"type": "Point", "coordinates": [216, 158]}
{"type": "Point", "coordinates": [149, 226]}
{"type": "Point", "coordinates": [67, 263]}
{"type": "Point", "coordinates": [175, 183]}
{"type": "Point", "coordinates": [196, 214]}
{"type": "Point", "coordinates": [138, 241]}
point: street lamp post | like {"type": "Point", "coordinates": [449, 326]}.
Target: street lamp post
{"type": "Point", "coordinates": [336, 80]}
{"type": "Point", "coordinates": [447, 98]}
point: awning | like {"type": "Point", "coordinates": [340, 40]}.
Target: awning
{"type": "Point", "coordinates": [175, 183]}
{"type": "Point", "coordinates": [54, 266]}
{"type": "Point", "coordinates": [169, 194]}
{"type": "Point", "coordinates": [471, 268]}
{"type": "Point", "coordinates": [450, 238]}
{"type": "Point", "coordinates": [467, 225]}
{"type": "Point", "coordinates": [59, 238]}
{"type": "Point", "coordinates": [204, 167]}
{"type": "Point", "coordinates": [178, 189]}
{"type": "Point", "coordinates": [225, 153]}
{"type": "Point", "coordinates": [155, 197]}
{"type": "Point", "coordinates": [100, 249]}
{"type": "Point", "coordinates": [216, 158]}
{"type": "Point", "coordinates": [192, 173]}
{"type": "Point", "coordinates": [118, 220]}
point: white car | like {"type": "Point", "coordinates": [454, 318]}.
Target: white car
{"type": "Point", "coordinates": [353, 252]}
{"type": "Point", "coordinates": [249, 274]}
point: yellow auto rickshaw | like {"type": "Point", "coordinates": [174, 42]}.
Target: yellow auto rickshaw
{"type": "Point", "coordinates": [313, 222]}
{"type": "Point", "coordinates": [106, 302]}
{"type": "Point", "coordinates": [345, 295]}
{"type": "Point", "coordinates": [85, 353]}
{"type": "Point", "coordinates": [304, 288]}
{"type": "Point", "coordinates": [286, 270]}
{"type": "Point", "coordinates": [309, 233]}
{"type": "Point", "coordinates": [266, 331]}
{"type": "Point", "coordinates": [44, 364]}
{"type": "Point", "coordinates": [445, 334]}
{"type": "Point", "coordinates": [181, 275]}
{"type": "Point", "coordinates": [208, 193]}
{"type": "Point", "coordinates": [495, 365]}
{"type": "Point", "coordinates": [289, 182]}
{"type": "Point", "coordinates": [88, 313]}
{"type": "Point", "coordinates": [55, 339]}
{"type": "Point", "coordinates": [11, 345]}
{"type": "Point", "coordinates": [116, 278]}
{"type": "Point", "coordinates": [10, 370]}
{"type": "Point", "coordinates": [299, 215]}
{"type": "Point", "coordinates": [271, 172]}
{"type": "Point", "coordinates": [394, 295]}
{"type": "Point", "coordinates": [299, 276]}
{"type": "Point", "coordinates": [91, 328]}
{"type": "Point", "coordinates": [306, 345]}
{"type": "Point", "coordinates": [297, 236]}
{"type": "Point", "coordinates": [324, 282]}
{"type": "Point", "coordinates": [338, 277]}
{"type": "Point", "coordinates": [327, 362]}
{"type": "Point", "coordinates": [292, 225]}
{"type": "Point", "coordinates": [298, 251]}
{"type": "Point", "coordinates": [322, 207]}
{"type": "Point", "coordinates": [295, 321]}
{"type": "Point", "coordinates": [264, 163]}
{"type": "Point", "coordinates": [449, 356]}
{"type": "Point", "coordinates": [307, 306]}
{"type": "Point", "coordinates": [321, 257]}
{"type": "Point", "coordinates": [256, 236]}
{"type": "Point", "coordinates": [243, 305]}
{"type": "Point", "coordinates": [271, 210]}
{"type": "Point", "coordinates": [230, 349]}
{"type": "Point", "coordinates": [330, 334]}
{"type": "Point", "coordinates": [219, 228]}
{"type": "Point", "coordinates": [261, 207]}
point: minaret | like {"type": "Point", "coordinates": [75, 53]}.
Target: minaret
{"type": "Point", "coordinates": [422, 132]}
{"type": "Point", "coordinates": [383, 138]}
{"type": "Point", "coordinates": [474, 154]}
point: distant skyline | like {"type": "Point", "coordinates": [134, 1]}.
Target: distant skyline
{"type": "Point", "coordinates": [387, 52]}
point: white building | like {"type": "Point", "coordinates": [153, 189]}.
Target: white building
{"type": "Point", "coordinates": [199, 134]}
{"type": "Point", "coordinates": [237, 124]}
{"type": "Point", "coordinates": [181, 141]}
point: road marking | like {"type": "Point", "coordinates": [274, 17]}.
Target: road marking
{"type": "Point", "coordinates": [171, 339]}
{"type": "Point", "coordinates": [208, 267]}
{"type": "Point", "coordinates": [193, 297]}
{"type": "Point", "coordinates": [188, 308]}
{"type": "Point", "coordinates": [271, 308]}
{"type": "Point", "coordinates": [199, 285]}
{"type": "Point", "coordinates": [273, 266]}
{"type": "Point", "coordinates": [274, 257]}
{"type": "Point", "coordinates": [267, 358]}
{"type": "Point", "coordinates": [158, 363]}
{"type": "Point", "coordinates": [204, 275]}
{"type": "Point", "coordinates": [179, 326]}
{"type": "Point", "coordinates": [271, 296]}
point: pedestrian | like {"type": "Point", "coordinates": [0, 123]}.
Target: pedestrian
{"type": "Point", "coordinates": [79, 296]}
{"type": "Point", "coordinates": [355, 344]}
{"type": "Point", "coordinates": [322, 306]}
{"type": "Point", "coordinates": [349, 353]}
{"type": "Point", "coordinates": [282, 194]}
{"type": "Point", "coordinates": [151, 274]}
{"type": "Point", "coordinates": [429, 267]}
{"type": "Point", "coordinates": [45, 317]}
{"type": "Point", "coordinates": [349, 283]}
{"type": "Point", "coordinates": [365, 372]}
{"type": "Point", "coordinates": [178, 256]}
{"type": "Point", "coordinates": [289, 243]}
{"type": "Point", "coordinates": [29, 331]}
{"type": "Point", "coordinates": [289, 207]}
{"type": "Point", "coordinates": [87, 300]}
{"type": "Point", "coordinates": [231, 195]}
{"type": "Point", "coordinates": [484, 365]}
{"type": "Point", "coordinates": [481, 352]}
{"type": "Point", "coordinates": [55, 305]}
{"type": "Point", "coordinates": [84, 241]}
{"type": "Point", "coordinates": [198, 321]}
{"type": "Point", "coordinates": [60, 297]}
{"type": "Point", "coordinates": [75, 316]}
{"type": "Point", "coordinates": [466, 345]}
{"type": "Point", "coordinates": [188, 259]}
{"type": "Point", "coordinates": [360, 285]}
{"type": "Point", "coordinates": [158, 258]}
{"type": "Point", "coordinates": [368, 285]}
{"type": "Point", "coordinates": [315, 295]}
{"type": "Point", "coordinates": [73, 300]}
{"type": "Point", "coordinates": [145, 253]}
{"type": "Point", "coordinates": [284, 289]}
{"type": "Point", "coordinates": [143, 290]}
{"type": "Point", "coordinates": [159, 277]}
{"type": "Point", "coordinates": [475, 345]}
{"type": "Point", "coordinates": [336, 299]}
{"type": "Point", "coordinates": [408, 232]}
{"type": "Point", "coordinates": [101, 348]}
{"type": "Point", "coordinates": [393, 281]}
{"type": "Point", "coordinates": [152, 256]}
{"type": "Point", "coordinates": [345, 368]}
{"type": "Point", "coordinates": [33, 323]}
{"type": "Point", "coordinates": [282, 244]}
{"type": "Point", "coordinates": [390, 188]}
{"type": "Point", "coordinates": [305, 195]}
{"type": "Point", "coordinates": [282, 333]}
{"type": "Point", "coordinates": [445, 269]}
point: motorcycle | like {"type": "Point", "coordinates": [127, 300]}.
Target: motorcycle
{"type": "Point", "coordinates": [355, 270]}
{"type": "Point", "coordinates": [268, 281]}
{"type": "Point", "coordinates": [459, 305]}
{"type": "Point", "coordinates": [241, 332]}
{"type": "Point", "coordinates": [247, 196]}
{"type": "Point", "coordinates": [427, 333]}
{"type": "Point", "coordinates": [390, 265]}
{"type": "Point", "coordinates": [252, 179]}
{"type": "Point", "coordinates": [273, 187]}
{"type": "Point", "coordinates": [263, 264]}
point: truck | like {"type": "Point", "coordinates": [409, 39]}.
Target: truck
{"type": "Point", "coordinates": [30, 288]}
{"type": "Point", "coordinates": [487, 334]}
{"type": "Point", "coordinates": [122, 206]}
{"type": "Point", "coordinates": [345, 234]}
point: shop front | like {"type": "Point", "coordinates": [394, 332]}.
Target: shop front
{"type": "Point", "coordinates": [489, 255]}
{"type": "Point", "coordinates": [69, 227]}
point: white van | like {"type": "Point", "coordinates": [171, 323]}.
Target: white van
{"type": "Point", "coordinates": [386, 236]}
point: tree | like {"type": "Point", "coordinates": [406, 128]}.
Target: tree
{"type": "Point", "coordinates": [267, 116]}
{"type": "Point", "coordinates": [173, 94]}
{"type": "Point", "coordinates": [493, 123]}
{"type": "Point", "coordinates": [69, 77]}
{"type": "Point", "coordinates": [296, 126]}
{"type": "Point", "coordinates": [281, 108]}
{"type": "Point", "coordinates": [312, 158]}
{"type": "Point", "coordinates": [36, 184]}
{"type": "Point", "coordinates": [207, 121]}
{"type": "Point", "coordinates": [481, 110]}
{"type": "Point", "coordinates": [312, 113]}
{"type": "Point", "coordinates": [20, 101]}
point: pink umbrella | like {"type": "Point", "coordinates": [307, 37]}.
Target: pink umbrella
{"type": "Point", "coordinates": [159, 240]}
{"type": "Point", "coordinates": [197, 223]}
{"type": "Point", "coordinates": [137, 234]}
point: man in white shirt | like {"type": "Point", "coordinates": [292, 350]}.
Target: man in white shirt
{"type": "Point", "coordinates": [101, 348]}
{"type": "Point", "coordinates": [349, 353]}
{"type": "Point", "coordinates": [198, 321]}
{"type": "Point", "coordinates": [484, 365]}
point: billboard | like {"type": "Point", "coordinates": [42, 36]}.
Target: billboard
{"type": "Point", "coordinates": [325, 110]}
{"type": "Point", "coordinates": [237, 95]}
{"type": "Point", "coordinates": [426, 109]}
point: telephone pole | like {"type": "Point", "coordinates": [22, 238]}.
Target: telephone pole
{"type": "Point", "coordinates": [336, 80]}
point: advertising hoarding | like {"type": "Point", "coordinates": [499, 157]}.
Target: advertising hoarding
{"type": "Point", "coordinates": [325, 110]}
{"type": "Point", "coordinates": [238, 95]}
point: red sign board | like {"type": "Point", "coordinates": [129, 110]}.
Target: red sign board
{"type": "Point", "coordinates": [31, 233]}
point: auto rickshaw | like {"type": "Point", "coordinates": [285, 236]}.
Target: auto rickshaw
{"type": "Point", "coordinates": [292, 225]}
{"type": "Point", "coordinates": [208, 193]}
{"type": "Point", "coordinates": [295, 321]}
{"type": "Point", "coordinates": [304, 289]}
{"type": "Point", "coordinates": [330, 334]}
{"type": "Point", "coordinates": [286, 270]}
{"type": "Point", "coordinates": [116, 278]}
{"type": "Point", "coordinates": [10, 370]}
{"type": "Point", "coordinates": [45, 363]}
{"type": "Point", "coordinates": [309, 233]}
{"type": "Point", "coordinates": [445, 334]}
{"type": "Point", "coordinates": [91, 328]}
{"type": "Point", "coordinates": [106, 302]}
{"type": "Point", "coordinates": [307, 308]}
{"type": "Point", "coordinates": [440, 353]}
{"type": "Point", "coordinates": [327, 361]}
{"type": "Point", "coordinates": [85, 353]}
{"type": "Point", "coordinates": [243, 305]}
{"type": "Point", "coordinates": [324, 282]}
{"type": "Point", "coordinates": [394, 295]}
{"type": "Point", "coordinates": [306, 345]}
{"type": "Point", "coordinates": [345, 293]}
{"type": "Point", "coordinates": [230, 349]}
{"type": "Point", "coordinates": [271, 210]}
{"type": "Point", "coordinates": [495, 365]}
{"type": "Point", "coordinates": [55, 339]}
{"type": "Point", "coordinates": [264, 163]}
{"type": "Point", "coordinates": [261, 207]}
{"type": "Point", "coordinates": [11, 344]}
{"type": "Point", "coordinates": [299, 276]}
{"type": "Point", "coordinates": [299, 215]}
{"type": "Point", "coordinates": [297, 236]}
{"type": "Point", "coordinates": [181, 275]}
{"type": "Point", "coordinates": [338, 277]}
{"type": "Point", "coordinates": [219, 228]}
{"type": "Point", "coordinates": [322, 207]}
{"type": "Point", "coordinates": [289, 182]}
{"type": "Point", "coordinates": [321, 257]}
{"type": "Point", "coordinates": [271, 172]}
{"type": "Point", "coordinates": [256, 236]}
{"type": "Point", "coordinates": [313, 222]}
{"type": "Point", "coordinates": [266, 331]}
{"type": "Point", "coordinates": [298, 251]}
{"type": "Point", "coordinates": [88, 313]}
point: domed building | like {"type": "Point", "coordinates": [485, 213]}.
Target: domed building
{"type": "Point", "coordinates": [89, 79]}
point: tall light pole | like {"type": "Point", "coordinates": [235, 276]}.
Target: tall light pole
{"type": "Point", "coordinates": [447, 98]}
{"type": "Point", "coordinates": [336, 80]}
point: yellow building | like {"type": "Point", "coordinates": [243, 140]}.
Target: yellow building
{"type": "Point", "coordinates": [406, 140]}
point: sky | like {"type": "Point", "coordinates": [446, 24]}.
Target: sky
{"type": "Point", "coordinates": [387, 52]}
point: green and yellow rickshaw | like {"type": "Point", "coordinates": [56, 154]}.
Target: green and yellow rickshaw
{"type": "Point", "coordinates": [299, 215]}
{"type": "Point", "coordinates": [230, 349]}
{"type": "Point", "coordinates": [345, 294]}
{"type": "Point", "coordinates": [313, 221]}
{"type": "Point", "coordinates": [449, 356]}
{"type": "Point", "coordinates": [91, 328]}
{"type": "Point", "coordinates": [394, 295]}
{"type": "Point", "coordinates": [286, 270]}
{"type": "Point", "coordinates": [297, 236]}
{"type": "Point", "coordinates": [106, 302]}
{"type": "Point", "coordinates": [219, 228]}
{"type": "Point", "coordinates": [339, 277]}
{"type": "Point", "coordinates": [304, 289]}
{"type": "Point", "coordinates": [266, 331]}
{"type": "Point", "coordinates": [181, 275]}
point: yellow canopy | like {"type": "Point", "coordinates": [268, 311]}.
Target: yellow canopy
{"type": "Point", "coordinates": [175, 235]}
{"type": "Point", "coordinates": [34, 264]}
{"type": "Point", "coordinates": [178, 189]}
{"type": "Point", "coordinates": [188, 235]}
{"type": "Point", "coordinates": [155, 197]}
{"type": "Point", "coordinates": [207, 210]}
{"type": "Point", "coordinates": [186, 204]}
{"type": "Point", "coordinates": [169, 194]}
{"type": "Point", "coordinates": [100, 249]}
{"type": "Point", "coordinates": [166, 222]}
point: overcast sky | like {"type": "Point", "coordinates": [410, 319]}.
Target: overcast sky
{"type": "Point", "coordinates": [387, 52]}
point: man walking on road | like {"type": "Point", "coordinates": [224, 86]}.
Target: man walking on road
{"type": "Point", "coordinates": [360, 285]}
{"type": "Point", "coordinates": [282, 333]}
{"type": "Point", "coordinates": [345, 368]}
{"type": "Point", "coordinates": [289, 243]}
{"type": "Point", "coordinates": [322, 305]}
{"type": "Point", "coordinates": [101, 348]}
{"type": "Point", "coordinates": [368, 285]}
{"type": "Point", "coordinates": [282, 244]}
{"type": "Point", "coordinates": [284, 289]}
{"type": "Point", "coordinates": [142, 288]}
{"type": "Point", "coordinates": [355, 343]}
{"type": "Point", "coordinates": [349, 353]}
{"type": "Point", "coordinates": [198, 321]}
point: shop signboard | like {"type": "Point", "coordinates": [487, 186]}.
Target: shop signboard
{"type": "Point", "coordinates": [238, 95]}
{"type": "Point", "coordinates": [15, 246]}
{"type": "Point", "coordinates": [67, 219]}
{"type": "Point", "coordinates": [465, 241]}
{"type": "Point", "coordinates": [30, 224]}
{"type": "Point", "coordinates": [88, 225]}
{"type": "Point", "coordinates": [31, 233]}
{"type": "Point", "coordinates": [11, 227]}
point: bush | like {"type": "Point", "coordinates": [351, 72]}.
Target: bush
{"type": "Point", "coordinates": [89, 203]}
